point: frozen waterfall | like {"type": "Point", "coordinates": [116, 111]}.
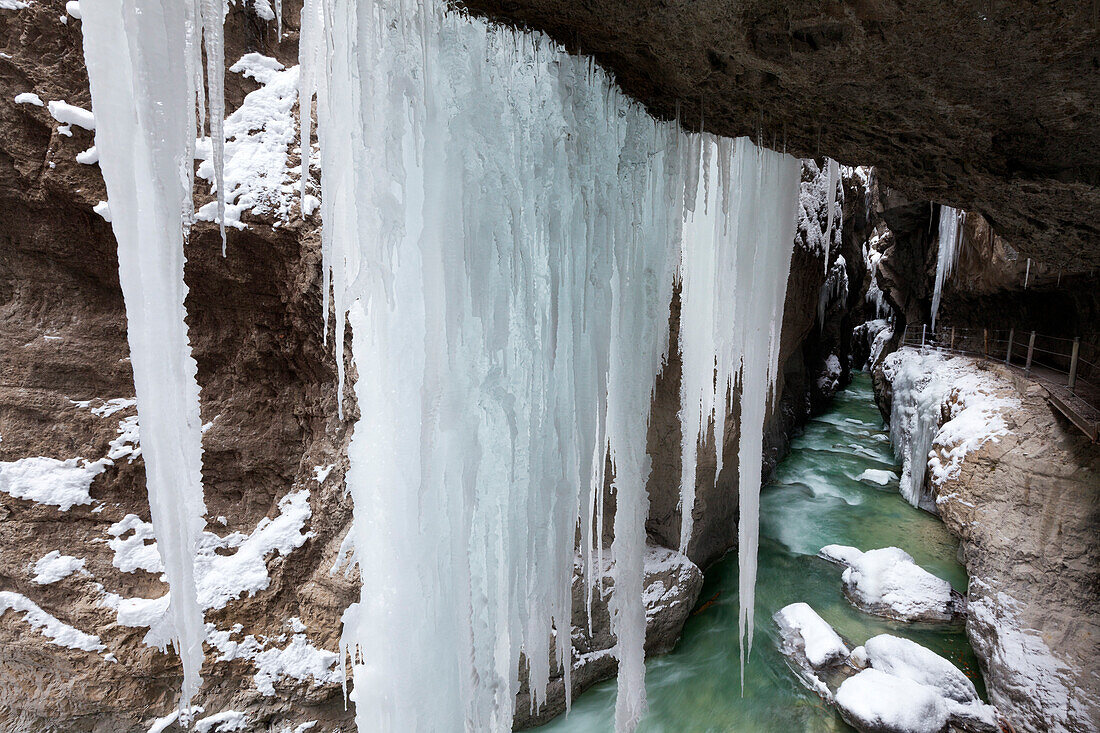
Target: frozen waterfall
{"type": "Point", "coordinates": [502, 230]}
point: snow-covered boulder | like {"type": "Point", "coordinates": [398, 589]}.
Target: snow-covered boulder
{"type": "Point", "coordinates": [810, 645]}
{"type": "Point", "coordinates": [910, 689]}
{"type": "Point", "coordinates": [887, 582]}
{"type": "Point", "coordinates": [908, 659]}
{"type": "Point", "coordinates": [800, 623]}
{"type": "Point", "coordinates": [876, 702]}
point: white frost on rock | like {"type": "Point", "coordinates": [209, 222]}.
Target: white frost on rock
{"type": "Point", "coordinates": [53, 566]}
{"type": "Point", "coordinates": [72, 7]}
{"type": "Point", "coordinates": [258, 135]}
{"type": "Point", "coordinates": [321, 473]}
{"type": "Point", "coordinates": [63, 484]}
{"type": "Point", "coordinates": [12, 5]}
{"type": "Point", "coordinates": [223, 722]}
{"type": "Point", "coordinates": [137, 551]}
{"type": "Point", "coordinates": [923, 382]}
{"type": "Point", "coordinates": [103, 209]}
{"type": "Point", "coordinates": [1028, 672]}
{"type": "Point", "coordinates": [28, 98]}
{"type": "Point", "coordinates": [298, 660]}
{"type": "Point", "coordinates": [218, 578]}
{"type": "Point", "coordinates": [829, 379]}
{"type": "Point", "coordinates": [58, 632]}
{"type": "Point", "coordinates": [887, 582]}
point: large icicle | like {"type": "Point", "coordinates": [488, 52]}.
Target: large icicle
{"type": "Point", "coordinates": [502, 226]}
{"type": "Point", "coordinates": [143, 95]}
{"type": "Point", "coordinates": [831, 179]}
{"type": "Point", "coordinates": [950, 238]}
{"type": "Point", "coordinates": [736, 258]}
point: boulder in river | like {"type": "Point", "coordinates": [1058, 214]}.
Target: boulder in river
{"type": "Point", "coordinates": [887, 582]}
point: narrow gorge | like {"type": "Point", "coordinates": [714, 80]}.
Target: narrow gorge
{"type": "Point", "coordinates": [370, 365]}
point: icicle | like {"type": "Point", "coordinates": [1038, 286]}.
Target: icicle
{"type": "Point", "coordinates": [950, 240]}
{"type": "Point", "coordinates": [734, 264]}
{"type": "Point", "coordinates": [832, 178]}
{"type": "Point", "coordinates": [279, 21]}
{"type": "Point", "coordinates": [213, 31]}
{"type": "Point", "coordinates": [139, 55]}
{"type": "Point", "coordinates": [1027, 273]}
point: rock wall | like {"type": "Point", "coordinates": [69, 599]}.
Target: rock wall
{"type": "Point", "coordinates": [1024, 507]}
{"type": "Point", "coordinates": [74, 645]}
{"type": "Point", "coordinates": [927, 94]}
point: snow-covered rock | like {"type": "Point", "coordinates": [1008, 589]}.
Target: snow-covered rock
{"type": "Point", "coordinates": [908, 659]}
{"type": "Point", "coordinates": [887, 582]}
{"type": "Point", "coordinates": [940, 401]}
{"type": "Point", "coordinates": [876, 702]}
{"type": "Point", "coordinates": [810, 644]}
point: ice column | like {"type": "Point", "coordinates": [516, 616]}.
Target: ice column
{"type": "Point", "coordinates": [141, 65]}
{"type": "Point", "coordinates": [736, 259]}
{"type": "Point", "coordinates": [950, 238]}
{"type": "Point", "coordinates": [501, 226]}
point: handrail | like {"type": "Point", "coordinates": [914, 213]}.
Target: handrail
{"type": "Point", "coordinates": [1058, 363]}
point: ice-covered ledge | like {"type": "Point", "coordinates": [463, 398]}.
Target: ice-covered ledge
{"type": "Point", "coordinates": [1018, 485]}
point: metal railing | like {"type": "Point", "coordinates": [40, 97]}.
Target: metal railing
{"type": "Point", "coordinates": [1069, 368]}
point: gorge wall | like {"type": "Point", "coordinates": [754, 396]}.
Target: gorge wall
{"type": "Point", "coordinates": [274, 570]}
{"type": "Point", "coordinates": [1023, 505]}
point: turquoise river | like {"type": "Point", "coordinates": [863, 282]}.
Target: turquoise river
{"type": "Point", "coordinates": [814, 498]}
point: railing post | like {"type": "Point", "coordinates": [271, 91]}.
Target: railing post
{"type": "Point", "coordinates": [985, 343]}
{"type": "Point", "coordinates": [952, 338]}
{"type": "Point", "coordinates": [1008, 351]}
{"type": "Point", "coordinates": [923, 332]}
{"type": "Point", "coordinates": [1073, 363]}
{"type": "Point", "coordinates": [1030, 351]}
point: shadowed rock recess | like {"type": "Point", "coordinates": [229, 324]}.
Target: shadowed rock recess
{"type": "Point", "coordinates": [988, 105]}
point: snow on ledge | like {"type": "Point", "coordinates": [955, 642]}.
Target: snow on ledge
{"type": "Point", "coordinates": [57, 631]}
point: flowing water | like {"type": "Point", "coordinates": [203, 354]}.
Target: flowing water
{"type": "Point", "coordinates": [815, 498]}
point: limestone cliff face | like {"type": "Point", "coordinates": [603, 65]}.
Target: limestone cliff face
{"type": "Point", "coordinates": [1025, 509]}
{"type": "Point", "coordinates": [274, 450]}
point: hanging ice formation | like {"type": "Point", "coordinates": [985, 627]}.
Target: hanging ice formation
{"type": "Point", "coordinates": [832, 177]}
{"type": "Point", "coordinates": [736, 257]}
{"type": "Point", "coordinates": [144, 66]}
{"type": "Point", "coordinates": [501, 229]}
{"type": "Point", "coordinates": [950, 239]}
{"type": "Point", "coordinates": [507, 270]}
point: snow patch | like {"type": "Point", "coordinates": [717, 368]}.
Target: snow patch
{"type": "Point", "coordinates": [70, 114]}
{"type": "Point", "coordinates": [63, 484]}
{"type": "Point", "coordinates": [53, 566]}
{"type": "Point", "coordinates": [28, 98]}
{"type": "Point", "coordinates": [257, 135]}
